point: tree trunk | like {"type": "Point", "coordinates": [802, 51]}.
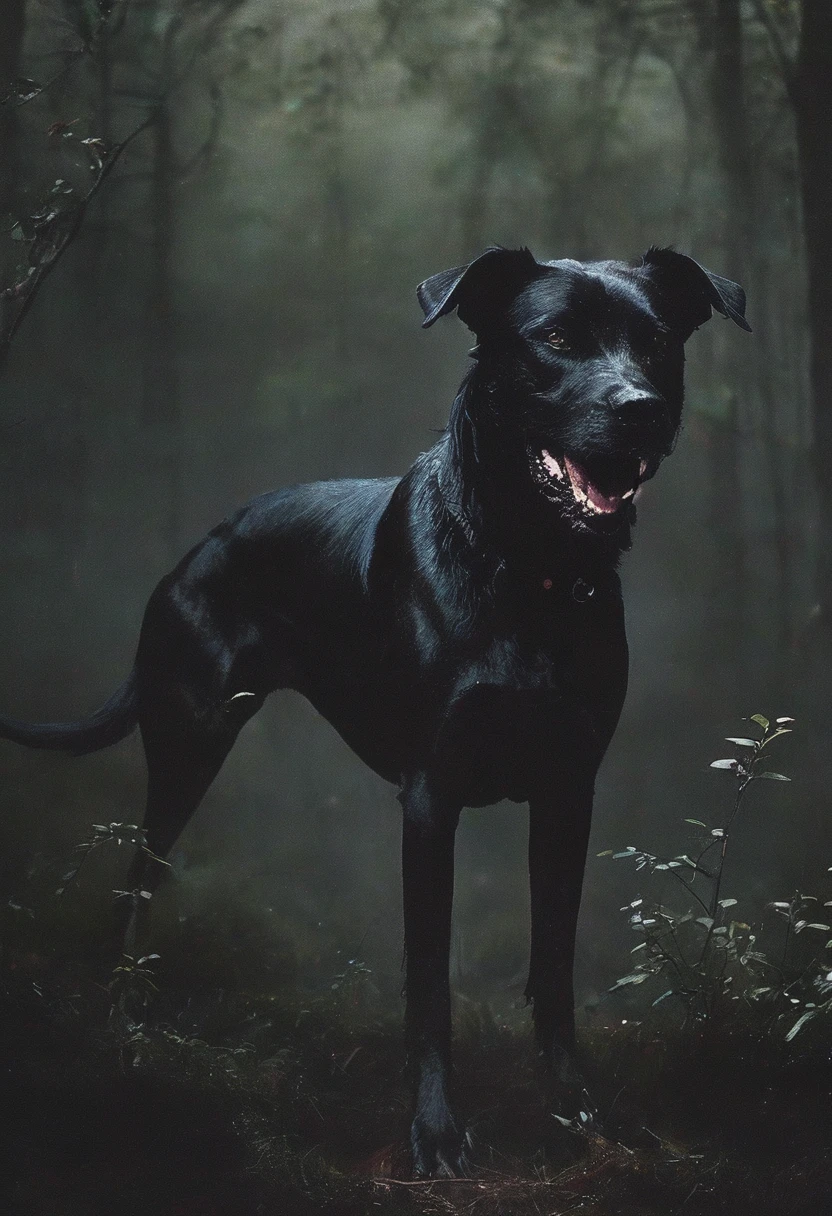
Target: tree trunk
{"type": "Point", "coordinates": [12, 26]}
{"type": "Point", "coordinates": [726, 232]}
{"type": "Point", "coordinates": [161, 411]}
{"type": "Point", "coordinates": [728, 100]}
{"type": "Point", "coordinates": [812, 98]}
{"type": "Point", "coordinates": [813, 112]}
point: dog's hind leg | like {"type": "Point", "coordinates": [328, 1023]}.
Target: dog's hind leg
{"type": "Point", "coordinates": [184, 754]}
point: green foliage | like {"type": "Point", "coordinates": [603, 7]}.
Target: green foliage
{"type": "Point", "coordinates": [132, 988]}
{"type": "Point", "coordinates": [713, 962]}
{"type": "Point", "coordinates": [109, 834]}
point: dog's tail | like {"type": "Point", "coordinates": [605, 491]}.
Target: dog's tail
{"type": "Point", "coordinates": [112, 722]}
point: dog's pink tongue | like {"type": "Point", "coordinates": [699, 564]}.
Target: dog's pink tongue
{"type": "Point", "coordinates": [606, 503]}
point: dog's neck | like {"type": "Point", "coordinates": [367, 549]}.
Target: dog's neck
{"type": "Point", "coordinates": [484, 481]}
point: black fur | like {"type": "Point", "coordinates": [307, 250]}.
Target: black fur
{"type": "Point", "coordinates": [461, 627]}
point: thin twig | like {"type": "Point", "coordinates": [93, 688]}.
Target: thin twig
{"type": "Point", "coordinates": [690, 889]}
{"type": "Point", "coordinates": [42, 271]}
{"type": "Point", "coordinates": [208, 145]}
{"type": "Point", "coordinates": [74, 57]}
{"type": "Point", "coordinates": [422, 1182]}
{"type": "Point", "coordinates": [115, 17]}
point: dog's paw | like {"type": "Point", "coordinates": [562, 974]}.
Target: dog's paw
{"type": "Point", "coordinates": [570, 1098]}
{"type": "Point", "coordinates": [440, 1150]}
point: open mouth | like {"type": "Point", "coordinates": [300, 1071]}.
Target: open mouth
{"type": "Point", "coordinates": [599, 485]}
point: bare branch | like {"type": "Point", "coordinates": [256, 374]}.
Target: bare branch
{"type": "Point", "coordinates": [20, 97]}
{"type": "Point", "coordinates": [206, 149]}
{"type": "Point", "coordinates": [784, 61]}
{"type": "Point", "coordinates": [59, 231]}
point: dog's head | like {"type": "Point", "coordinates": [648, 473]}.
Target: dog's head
{"type": "Point", "coordinates": [582, 368]}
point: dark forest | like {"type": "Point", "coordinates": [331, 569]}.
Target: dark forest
{"type": "Point", "coordinates": [213, 217]}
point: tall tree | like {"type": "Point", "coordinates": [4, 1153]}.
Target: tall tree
{"type": "Point", "coordinates": [12, 27]}
{"type": "Point", "coordinates": [812, 96]}
{"type": "Point", "coordinates": [161, 408]}
{"type": "Point", "coordinates": [734, 579]}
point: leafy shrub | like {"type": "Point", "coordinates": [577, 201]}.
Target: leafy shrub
{"type": "Point", "coordinates": [713, 962]}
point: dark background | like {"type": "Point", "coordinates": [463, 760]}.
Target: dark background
{"type": "Point", "coordinates": [235, 311]}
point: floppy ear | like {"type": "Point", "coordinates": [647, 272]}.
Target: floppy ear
{"type": "Point", "coordinates": [479, 291]}
{"type": "Point", "coordinates": [690, 291]}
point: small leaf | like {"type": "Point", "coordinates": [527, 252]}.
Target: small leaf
{"type": "Point", "coordinates": [801, 1021]}
{"type": "Point", "coordinates": [760, 720]}
{"type": "Point", "coordinates": [730, 764]}
{"type": "Point", "coordinates": [780, 721]}
{"type": "Point", "coordinates": [772, 776]}
{"type": "Point", "coordinates": [717, 832]}
{"type": "Point", "coordinates": [698, 822]}
{"type": "Point", "coordinates": [664, 996]}
{"type": "Point", "coordinates": [24, 89]}
{"type": "Point", "coordinates": [727, 903]}
{"type": "Point", "coordinates": [707, 921]}
{"type": "Point", "coordinates": [741, 742]}
{"type": "Point", "coordinates": [637, 977]}
{"type": "Point", "coordinates": [815, 925]}
{"type": "Point", "coordinates": [605, 853]}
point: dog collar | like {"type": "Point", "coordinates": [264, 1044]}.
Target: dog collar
{"type": "Point", "coordinates": [582, 590]}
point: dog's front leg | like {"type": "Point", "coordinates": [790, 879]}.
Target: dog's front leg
{"type": "Point", "coordinates": [558, 836]}
{"type": "Point", "coordinates": [430, 821]}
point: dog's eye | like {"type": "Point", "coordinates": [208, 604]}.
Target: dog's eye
{"type": "Point", "coordinates": [558, 340]}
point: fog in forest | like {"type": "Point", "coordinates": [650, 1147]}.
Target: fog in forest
{"type": "Point", "coordinates": [236, 312]}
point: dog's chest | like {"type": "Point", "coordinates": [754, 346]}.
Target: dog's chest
{"type": "Point", "coordinates": [533, 708]}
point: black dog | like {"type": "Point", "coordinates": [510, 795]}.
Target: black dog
{"type": "Point", "coordinates": [461, 627]}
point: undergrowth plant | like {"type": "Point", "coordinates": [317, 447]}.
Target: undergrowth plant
{"type": "Point", "coordinates": [711, 961]}
{"type": "Point", "coordinates": [108, 834]}
{"type": "Point", "coordinates": [132, 987]}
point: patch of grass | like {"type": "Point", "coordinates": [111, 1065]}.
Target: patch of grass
{"type": "Point", "coordinates": [246, 1102]}
{"type": "Point", "coordinates": [205, 1083]}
